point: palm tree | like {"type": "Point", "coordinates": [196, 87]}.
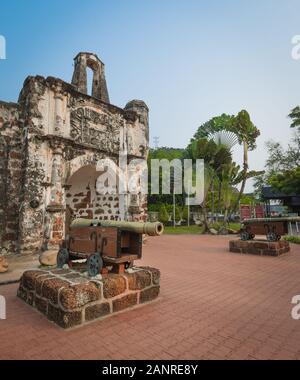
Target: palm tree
{"type": "Point", "coordinates": [215, 157]}
{"type": "Point", "coordinates": [247, 134]}
{"type": "Point", "coordinates": [231, 130]}
{"type": "Point", "coordinates": [295, 116]}
{"type": "Point", "coordinates": [230, 177]}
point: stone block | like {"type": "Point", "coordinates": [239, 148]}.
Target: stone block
{"type": "Point", "coordinates": [22, 293]}
{"type": "Point", "coordinates": [30, 278]}
{"type": "Point", "coordinates": [52, 287]}
{"type": "Point", "coordinates": [138, 280]}
{"type": "Point", "coordinates": [113, 285]}
{"type": "Point", "coordinates": [259, 247]}
{"type": "Point", "coordinates": [149, 294]}
{"type": "Point", "coordinates": [79, 295]}
{"type": "Point", "coordinates": [97, 311]}
{"type": "Point", "coordinates": [70, 304]}
{"type": "Point", "coordinates": [41, 304]}
{"type": "Point", "coordinates": [62, 318]}
{"type": "Point", "coordinates": [125, 302]}
{"type": "Point", "coordinates": [39, 282]}
{"type": "Point", "coordinates": [155, 273]}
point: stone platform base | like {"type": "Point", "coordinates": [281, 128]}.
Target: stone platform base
{"type": "Point", "coordinates": [69, 299]}
{"type": "Point", "coordinates": [259, 247]}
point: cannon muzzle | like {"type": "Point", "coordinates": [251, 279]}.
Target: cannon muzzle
{"type": "Point", "coordinates": [152, 229]}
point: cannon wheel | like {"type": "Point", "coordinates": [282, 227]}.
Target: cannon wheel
{"type": "Point", "coordinates": [128, 264]}
{"type": "Point", "coordinates": [62, 257]}
{"type": "Point", "coordinates": [94, 264]}
{"type": "Point", "coordinates": [271, 236]}
{"type": "Point", "coordinates": [245, 235]}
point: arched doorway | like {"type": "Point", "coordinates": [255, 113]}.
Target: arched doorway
{"type": "Point", "coordinates": [83, 200]}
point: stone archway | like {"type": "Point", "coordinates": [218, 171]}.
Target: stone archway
{"type": "Point", "coordinates": [83, 200]}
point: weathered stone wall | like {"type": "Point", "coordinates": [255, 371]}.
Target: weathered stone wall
{"type": "Point", "coordinates": [12, 156]}
{"type": "Point", "coordinates": [48, 143]}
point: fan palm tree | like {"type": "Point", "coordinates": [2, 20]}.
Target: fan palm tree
{"type": "Point", "coordinates": [216, 157]}
{"type": "Point", "coordinates": [237, 129]}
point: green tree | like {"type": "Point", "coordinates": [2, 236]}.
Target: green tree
{"type": "Point", "coordinates": [177, 214]}
{"type": "Point", "coordinates": [247, 134]}
{"type": "Point", "coordinates": [236, 129]}
{"type": "Point", "coordinates": [163, 214]}
{"type": "Point", "coordinates": [216, 157]}
{"type": "Point", "coordinates": [295, 116]}
{"type": "Point", "coordinates": [287, 181]}
{"type": "Point", "coordinates": [280, 163]}
{"type": "Point", "coordinates": [230, 177]}
{"type": "Point", "coordinates": [169, 154]}
{"type": "Point", "coordinates": [185, 213]}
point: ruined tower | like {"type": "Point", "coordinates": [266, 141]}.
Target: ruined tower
{"type": "Point", "coordinates": [99, 88]}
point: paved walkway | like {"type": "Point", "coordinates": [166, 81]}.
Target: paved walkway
{"type": "Point", "coordinates": [17, 265]}
{"type": "Point", "coordinates": [213, 305]}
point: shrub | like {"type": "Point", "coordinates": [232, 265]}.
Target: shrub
{"type": "Point", "coordinates": [163, 214]}
{"type": "Point", "coordinates": [185, 213]}
{"type": "Point", "coordinates": [216, 226]}
{"type": "Point", "coordinates": [292, 239]}
{"type": "Point", "coordinates": [177, 214]}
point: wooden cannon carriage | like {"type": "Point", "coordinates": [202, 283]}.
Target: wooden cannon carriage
{"type": "Point", "coordinates": [105, 243]}
{"type": "Point", "coordinates": [273, 228]}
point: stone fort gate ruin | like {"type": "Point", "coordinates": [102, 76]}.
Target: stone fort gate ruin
{"type": "Point", "coordinates": [50, 142]}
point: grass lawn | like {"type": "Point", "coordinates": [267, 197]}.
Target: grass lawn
{"type": "Point", "coordinates": [193, 229]}
{"type": "Point", "coordinates": [184, 230]}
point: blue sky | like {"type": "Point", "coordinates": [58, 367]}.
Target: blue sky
{"type": "Point", "coordinates": [189, 60]}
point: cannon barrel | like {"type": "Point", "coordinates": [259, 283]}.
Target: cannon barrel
{"type": "Point", "coordinates": [152, 229]}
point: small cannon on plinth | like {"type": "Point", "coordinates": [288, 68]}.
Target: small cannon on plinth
{"type": "Point", "coordinates": [105, 243]}
{"type": "Point", "coordinates": [273, 228]}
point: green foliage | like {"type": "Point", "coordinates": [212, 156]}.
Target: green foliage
{"type": "Point", "coordinates": [216, 124]}
{"type": "Point", "coordinates": [248, 199]}
{"type": "Point", "coordinates": [153, 207]}
{"type": "Point", "coordinates": [287, 181]}
{"type": "Point", "coordinates": [178, 214]}
{"type": "Point", "coordinates": [182, 230]}
{"type": "Point", "coordinates": [245, 130]}
{"type": "Point", "coordinates": [282, 167]}
{"type": "Point", "coordinates": [295, 116]}
{"type": "Point", "coordinates": [185, 213]}
{"type": "Point", "coordinates": [163, 214]}
{"type": "Point", "coordinates": [216, 226]}
{"type": "Point", "coordinates": [168, 154]}
{"type": "Point", "coordinates": [215, 156]}
{"type": "Point", "coordinates": [213, 142]}
{"type": "Point", "coordinates": [292, 239]}
{"type": "Point", "coordinates": [241, 126]}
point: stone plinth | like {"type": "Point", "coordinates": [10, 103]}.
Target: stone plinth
{"type": "Point", "coordinates": [259, 247]}
{"type": "Point", "coordinates": [69, 299]}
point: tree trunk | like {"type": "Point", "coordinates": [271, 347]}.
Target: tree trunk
{"type": "Point", "coordinates": [225, 217]}
{"type": "Point", "coordinates": [245, 166]}
{"type": "Point", "coordinates": [203, 206]}
{"type": "Point", "coordinates": [219, 199]}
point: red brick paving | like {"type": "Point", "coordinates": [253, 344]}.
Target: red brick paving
{"type": "Point", "coordinates": [213, 305]}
